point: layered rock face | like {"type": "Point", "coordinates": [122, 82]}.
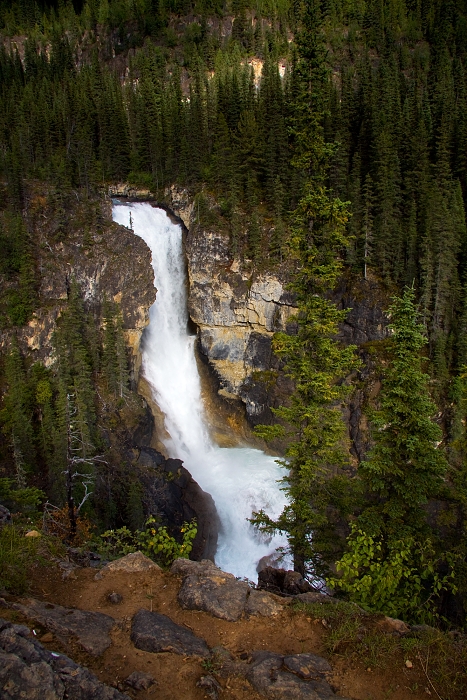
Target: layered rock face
{"type": "Point", "coordinates": [237, 314]}
{"type": "Point", "coordinates": [104, 259]}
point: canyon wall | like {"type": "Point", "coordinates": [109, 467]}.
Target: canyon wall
{"type": "Point", "coordinates": [237, 311]}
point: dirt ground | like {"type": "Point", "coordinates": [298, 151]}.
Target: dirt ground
{"type": "Point", "coordinates": [288, 633]}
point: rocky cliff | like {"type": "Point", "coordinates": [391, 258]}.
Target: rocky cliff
{"type": "Point", "coordinates": [237, 311]}
{"type": "Point", "coordinates": [77, 240]}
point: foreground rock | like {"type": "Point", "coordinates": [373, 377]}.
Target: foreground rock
{"type": "Point", "coordinates": [133, 563]}
{"type": "Point", "coordinates": [28, 670]}
{"type": "Point", "coordinates": [157, 633]}
{"type": "Point", "coordinates": [205, 587]}
{"type": "Point", "coordinates": [298, 677]}
{"type": "Point", "coordinates": [91, 629]}
{"type": "Point", "coordinates": [138, 680]}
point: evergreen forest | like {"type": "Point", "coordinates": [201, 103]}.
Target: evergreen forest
{"type": "Point", "coordinates": [332, 136]}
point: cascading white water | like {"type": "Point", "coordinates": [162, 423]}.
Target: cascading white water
{"type": "Point", "coordinates": [240, 480]}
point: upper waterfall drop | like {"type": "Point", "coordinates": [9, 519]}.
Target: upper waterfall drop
{"type": "Point", "coordinates": [240, 480]}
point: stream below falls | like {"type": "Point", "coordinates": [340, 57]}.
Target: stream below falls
{"type": "Point", "coordinates": [240, 479]}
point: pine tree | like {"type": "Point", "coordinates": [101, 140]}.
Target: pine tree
{"type": "Point", "coordinates": [391, 564]}
{"type": "Point", "coordinates": [315, 361]}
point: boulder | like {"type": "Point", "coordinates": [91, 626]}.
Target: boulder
{"type": "Point", "coordinates": [133, 563]}
{"type": "Point", "coordinates": [219, 594]}
{"type": "Point", "coordinates": [91, 629]}
{"type": "Point", "coordinates": [282, 581]}
{"type": "Point", "coordinates": [260, 603]}
{"type": "Point", "coordinates": [205, 567]}
{"type": "Point", "coordinates": [171, 493]}
{"type": "Point", "coordinates": [28, 670]}
{"type": "Point", "coordinates": [154, 632]}
{"type": "Point", "coordinates": [297, 677]}
{"type": "Point", "coordinates": [307, 666]}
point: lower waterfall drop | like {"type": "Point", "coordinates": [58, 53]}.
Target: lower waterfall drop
{"type": "Point", "coordinates": [240, 480]}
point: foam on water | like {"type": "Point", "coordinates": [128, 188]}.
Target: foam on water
{"type": "Point", "coordinates": [240, 480]}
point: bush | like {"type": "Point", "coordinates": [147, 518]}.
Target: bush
{"type": "Point", "coordinates": [155, 543]}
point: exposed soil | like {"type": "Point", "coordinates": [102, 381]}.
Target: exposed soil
{"type": "Point", "coordinates": [288, 633]}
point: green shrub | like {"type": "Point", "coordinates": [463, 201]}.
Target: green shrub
{"type": "Point", "coordinates": [154, 542]}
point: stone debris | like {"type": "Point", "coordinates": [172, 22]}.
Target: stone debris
{"type": "Point", "coordinates": [28, 670]}
{"type": "Point", "coordinates": [91, 629]}
{"type": "Point", "coordinates": [133, 563]}
{"type": "Point", "coordinates": [155, 632]}
{"type": "Point", "coordinates": [139, 680]}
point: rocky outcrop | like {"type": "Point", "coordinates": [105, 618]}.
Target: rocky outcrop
{"type": "Point", "coordinates": [237, 311]}
{"type": "Point", "coordinates": [106, 261]}
{"type": "Point", "coordinates": [205, 587]}
{"type": "Point", "coordinates": [90, 629]}
{"type": "Point", "coordinates": [171, 493]}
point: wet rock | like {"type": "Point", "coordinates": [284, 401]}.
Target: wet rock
{"type": "Point", "coordinates": [171, 491]}
{"type": "Point", "coordinates": [133, 563]}
{"type": "Point", "coordinates": [157, 633]}
{"type": "Point", "coordinates": [219, 594]}
{"type": "Point", "coordinates": [138, 680]}
{"type": "Point", "coordinates": [91, 629]}
{"type": "Point", "coordinates": [260, 603]}
{"type": "Point", "coordinates": [28, 670]}
{"type": "Point", "coordinates": [114, 598]}
{"type": "Point", "coordinates": [282, 581]}
{"type": "Point", "coordinates": [210, 686]}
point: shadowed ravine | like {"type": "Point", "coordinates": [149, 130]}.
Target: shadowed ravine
{"type": "Point", "coordinates": [240, 480]}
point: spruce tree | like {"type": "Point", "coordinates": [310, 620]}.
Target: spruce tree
{"type": "Point", "coordinates": [316, 486]}
{"type": "Point", "coordinates": [391, 564]}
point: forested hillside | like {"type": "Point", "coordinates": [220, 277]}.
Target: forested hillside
{"type": "Point", "coordinates": [333, 137]}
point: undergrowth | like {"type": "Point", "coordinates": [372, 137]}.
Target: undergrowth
{"type": "Point", "coordinates": [19, 554]}
{"type": "Point", "coordinates": [353, 633]}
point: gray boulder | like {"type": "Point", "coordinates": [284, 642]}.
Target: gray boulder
{"type": "Point", "coordinates": [154, 632]}
{"type": "Point", "coordinates": [28, 670]}
{"type": "Point", "coordinates": [91, 629]}
{"type": "Point", "coordinates": [297, 677]}
{"type": "Point", "coordinates": [220, 595]}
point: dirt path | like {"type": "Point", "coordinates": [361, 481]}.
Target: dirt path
{"type": "Point", "coordinates": [287, 633]}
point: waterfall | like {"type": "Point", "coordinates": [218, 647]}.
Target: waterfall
{"type": "Point", "coordinates": [240, 480]}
